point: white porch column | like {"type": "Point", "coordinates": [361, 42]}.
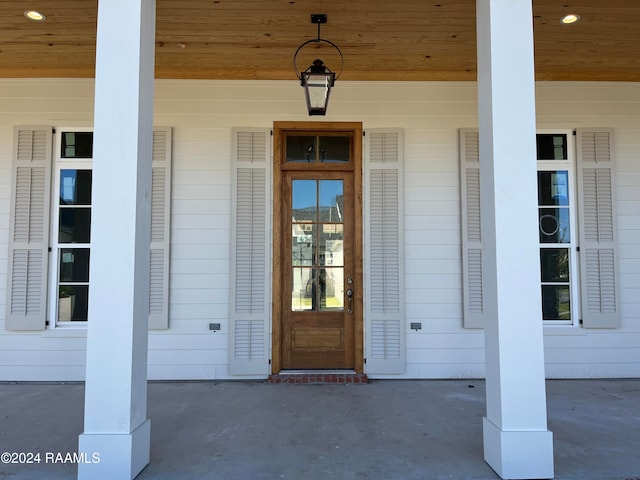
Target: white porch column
{"type": "Point", "coordinates": [517, 443]}
{"type": "Point", "coordinates": [115, 423]}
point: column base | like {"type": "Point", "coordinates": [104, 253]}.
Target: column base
{"type": "Point", "coordinates": [114, 456]}
{"type": "Point", "coordinates": [518, 454]}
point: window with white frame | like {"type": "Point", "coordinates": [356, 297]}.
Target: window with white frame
{"type": "Point", "coordinates": [71, 226]}
{"type": "Point", "coordinates": [49, 245]}
{"type": "Point", "coordinates": [557, 227]}
{"type": "Point", "coordinates": [577, 235]}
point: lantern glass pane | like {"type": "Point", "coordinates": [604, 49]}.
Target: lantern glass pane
{"type": "Point", "coordinates": [317, 89]}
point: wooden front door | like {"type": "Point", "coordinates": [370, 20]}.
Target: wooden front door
{"type": "Point", "coordinates": [317, 247]}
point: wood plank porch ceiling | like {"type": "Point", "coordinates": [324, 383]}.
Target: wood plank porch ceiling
{"type": "Point", "coordinates": [380, 40]}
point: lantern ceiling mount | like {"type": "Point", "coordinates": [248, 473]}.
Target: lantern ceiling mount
{"type": "Point", "coordinates": [318, 79]}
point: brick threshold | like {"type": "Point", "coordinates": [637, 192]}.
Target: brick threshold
{"type": "Point", "coordinates": [318, 378]}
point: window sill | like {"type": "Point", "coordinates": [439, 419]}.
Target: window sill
{"type": "Point", "coordinates": [71, 331]}
{"type": "Point", "coordinates": [573, 330]}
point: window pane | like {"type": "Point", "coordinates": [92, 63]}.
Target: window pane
{"type": "Point", "coordinates": [75, 187]}
{"type": "Point", "coordinates": [301, 149]}
{"type": "Point", "coordinates": [331, 289]}
{"type": "Point", "coordinates": [73, 303]}
{"type": "Point", "coordinates": [303, 247]}
{"type": "Point", "coordinates": [303, 289]}
{"type": "Point", "coordinates": [77, 145]}
{"type": "Point", "coordinates": [553, 188]}
{"type": "Point", "coordinates": [556, 302]}
{"type": "Point", "coordinates": [554, 225]}
{"type": "Point", "coordinates": [554, 264]}
{"type": "Point", "coordinates": [331, 245]}
{"type": "Point", "coordinates": [331, 200]}
{"type": "Point", "coordinates": [74, 225]}
{"type": "Point", "coordinates": [334, 149]}
{"type": "Point", "coordinates": [74, 264]}
{"type": "Point", "coordinates": [304, 201]}
{"type": "Point", "coordinates": [551, 146]}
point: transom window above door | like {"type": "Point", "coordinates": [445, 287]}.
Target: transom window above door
{"type": "Point", "coordinates": [318, 149]}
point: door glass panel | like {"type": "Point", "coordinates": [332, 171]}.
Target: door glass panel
{"type": "Point", "coordinates": [301, 149]}
{"type": "Point", "coordinates": [317, 289]}
{"type": "Point", "coordinates": [331, 210]}
{"type": "Point", "coordinates": [304, 202]}
{"type": "Point", "coordinates": [303, 245]}
{"type": "Point", "coordinates": [334, 149]}
{"type": "Point", "coordinates": [303, 289]}
{"type": "Point", "coordinates": [331, 289]}
{"type": "Point", "coordinates": [331, 245]}
{"type": "Point", "coordinates": [317, 242]}
{"type": "Point", "coordinates": [331, 200]}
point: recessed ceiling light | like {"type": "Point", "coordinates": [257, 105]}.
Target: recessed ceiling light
{"type": "Point", "coordinates": [569, 19]}
{"type": "Point", "coordinates": [35, 16]}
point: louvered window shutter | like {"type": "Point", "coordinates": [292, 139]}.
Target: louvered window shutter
{"type": "Point", "coordinates": [473, 310]}
{"type": "Point", "coordinates": [384, 275]}
{"type": "Point", "coordinates": [600, 297]}
{"type": "Point", "coordinates": [160, 230]}
{"type": "Point", "coordinates": [29, 229]}
{"type": "Point", "coordinates": [250, 227]}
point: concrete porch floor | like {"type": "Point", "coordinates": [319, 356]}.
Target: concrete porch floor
{"type": "Point", "coordinates": [426, 429]}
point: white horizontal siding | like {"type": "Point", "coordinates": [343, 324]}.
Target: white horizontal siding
{"type": "Point", "coordinates": [44, 371]}
{"type": "Point", "coordinates": [202, 114]}
{"type": "Point", "coordinates": [197, 312]}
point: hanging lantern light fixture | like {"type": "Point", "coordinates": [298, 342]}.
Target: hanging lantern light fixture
{"type": "Point", "coordinates": [318, 79]}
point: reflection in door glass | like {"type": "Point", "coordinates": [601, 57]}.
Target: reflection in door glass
{"type": "Point", "coordinates": [303, 244]}
{"type": "Point", "coordinates": [317, 245]}
{"type": "Point", "coordinates": [331, 199]}
{"type": "Point", "coordinates": [330, 245]}
{"type": "Point", "coordinates": [303, 289]}
{"type": "Point", "coordinates": [317, 289]}
{"type": "Point", "coordinates": [304, 201]}
{"type": "Point", "coordinates": [330, 289]}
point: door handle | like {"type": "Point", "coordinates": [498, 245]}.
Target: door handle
{"type": "Point", "coordinates": [349, 293]}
